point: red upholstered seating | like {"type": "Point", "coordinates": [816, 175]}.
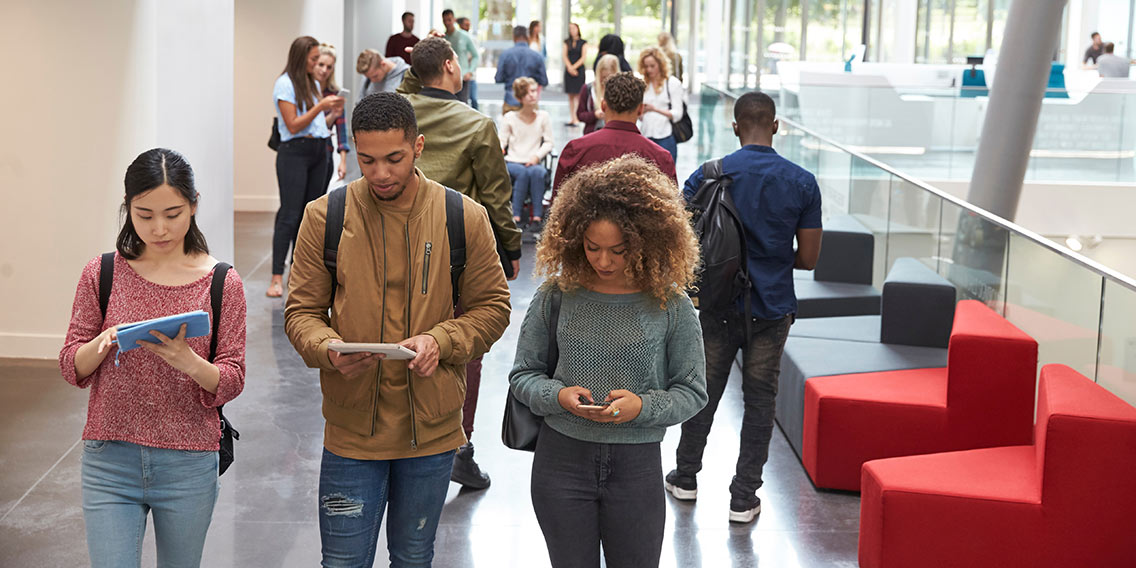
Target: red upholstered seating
{"type": "Point", "coordinates": [1067, 500]}
{"type": "Point", "coordinates": [982, 398]}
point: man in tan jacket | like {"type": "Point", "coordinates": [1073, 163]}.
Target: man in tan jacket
{"type": "Point", "coordinates": [392, 427]}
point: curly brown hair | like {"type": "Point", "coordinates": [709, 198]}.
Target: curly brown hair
{"type": "Point", "coordinates": [631, 193]}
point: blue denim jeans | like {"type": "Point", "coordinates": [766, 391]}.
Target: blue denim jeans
{"type": "Point", "coordinates": [669, 145]}
{"type": "Point", "coordinates": [723, 334]}
{"type": "Point", "coordinates": [473, 93]}
{"type": "Point", "coordinates": [353, 494]}
{"type": "Point", "coordinates": [528, 181]}
{"type": "Point", "coordinates": [123, 482]}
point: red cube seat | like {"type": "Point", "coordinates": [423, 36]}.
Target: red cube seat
{"type": "Point", "coordinates": [1066, 500]}
{"type": "Point", "coordinates": [982, 398]}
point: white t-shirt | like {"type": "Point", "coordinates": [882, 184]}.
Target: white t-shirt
{"type": "Point", "coordinates": [522, 141]}
{"type": "Point", "coordinates": [653, 124]}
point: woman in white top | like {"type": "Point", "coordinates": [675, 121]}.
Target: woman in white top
{"type": "Point", "coordinates": [662, 101]}
{"type": "Point", "coordinates": [526, 138]}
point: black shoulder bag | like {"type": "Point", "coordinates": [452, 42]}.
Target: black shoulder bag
{"type": "Point", "coordinates": [216, 294]}
{"type": "Point", "coordinates": [520, 427]}
{"type": "Point", "coordinates": [683, 128]}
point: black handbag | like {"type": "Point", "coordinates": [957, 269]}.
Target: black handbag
{"type": "Point", "coordinates": [274, 138]}
{"type": "Point", "coordinates": [520, 427]}
{"type": "Point", "coordinates": [683, 129]}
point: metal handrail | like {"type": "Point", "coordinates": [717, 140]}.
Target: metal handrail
{"type": "Point", "coordinates": [1089, 263]}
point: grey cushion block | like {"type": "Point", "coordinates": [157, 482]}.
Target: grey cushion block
{"type": "Point", "coordinates": [846, 252]}
{"type": "Point", "coordinates": [807, 357]}
{"type": "Point", "coordinates": [848, 328]}
{"type": "Point", "coordinates": [918, 306]}
{"type": "Point", "coordinates": [825, 299]}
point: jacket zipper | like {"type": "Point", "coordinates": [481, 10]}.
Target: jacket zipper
{"type": "Point", "coordinates": [426, 268]}
{"type": "Point", "coordinates": [382, 327]}
{"type": "Point", "coordinates": [409, 381]}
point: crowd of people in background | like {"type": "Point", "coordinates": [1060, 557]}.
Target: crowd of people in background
{"type": "Point", "coordinates": [617, 250]}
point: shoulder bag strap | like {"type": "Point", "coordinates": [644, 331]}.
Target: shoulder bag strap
{"type": "Point", "coordinates": [553, 321]}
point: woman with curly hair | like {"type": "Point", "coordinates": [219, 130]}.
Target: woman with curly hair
{"type": "Point", "coordinates": [618, 253]}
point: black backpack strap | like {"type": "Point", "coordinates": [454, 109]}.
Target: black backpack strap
{"type": "Point", "coordinates": [332, 231]}
{"type": "Point", "coordinates": [216, 294]}
{"type": "Point", "coordinates": [106, 281]}
{"type": "Point", "coordinates": [455, 229]}
{"type": "Point", "coordinates": [712, 169]}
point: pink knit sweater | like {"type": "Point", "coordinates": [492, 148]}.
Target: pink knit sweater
{"type": "Point", "coordinates": [144, 400]}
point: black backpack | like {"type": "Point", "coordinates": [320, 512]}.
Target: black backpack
{"type": "Point", "coordinates": [723, 275]}
{"type": "Point", "coordinates": [455, 229]}
{"type": "Point", "coordinates": [216, 294]}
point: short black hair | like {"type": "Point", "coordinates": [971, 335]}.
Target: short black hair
{"type": "Point", "coordinates": [755, 109]}
{"type": "Point", "coordinates": [405, 14]}
{"type": "Point", "coordinates": [624, 92]}
{"type": "Point", "coordinates": [462, 20]}
{"type": "Point", "coordinates": [447, 12]}
{"type": "Point", "coordinates": [1109, 47]}
{"type": "Point", "coordinates": [381, 112]}
{"type": "Point", "coordinates": [520, 31]}
{"type": "Point", "coordinates": [428, 58]}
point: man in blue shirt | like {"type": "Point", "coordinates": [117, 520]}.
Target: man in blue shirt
{"type": "Point", "coordinates": [777, 202]}
{"type": "Point", "coordinates": [519, 61]}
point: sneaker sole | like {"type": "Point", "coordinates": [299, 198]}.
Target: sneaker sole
{"type": "Point", "coordinates": [680, 493]}
{"type": "Point", "coordinates": [744, 516]}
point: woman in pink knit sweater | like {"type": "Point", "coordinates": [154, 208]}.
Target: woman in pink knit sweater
{"type": "Point", "coordinates": [151, 439]}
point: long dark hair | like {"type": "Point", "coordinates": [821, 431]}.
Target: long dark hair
{"type": "Point", "coordinates": [303, 84]}
{"type": "Point", "coordinates": [150, 170]}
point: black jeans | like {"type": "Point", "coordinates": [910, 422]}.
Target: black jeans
{"type": "Point", "coordinates": [585, 494]}
{"type": "Point", "coordinates": [301, 173]}
{"type": "Point", "coordinates": [723, 334]}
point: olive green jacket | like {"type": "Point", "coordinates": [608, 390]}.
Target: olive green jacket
{"type": "Point", "coordinates": [463, 152]}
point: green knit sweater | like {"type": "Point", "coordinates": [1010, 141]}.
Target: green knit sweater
{"type": "Point", "coordinates": [608, 342]}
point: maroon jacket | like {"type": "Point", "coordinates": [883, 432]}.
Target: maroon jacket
{"type": "Point", "coordinates": [616, 138]}
{"type": "Point", "coordinates": [586, 110]}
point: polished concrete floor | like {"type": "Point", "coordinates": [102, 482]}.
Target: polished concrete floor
{"type": "Point", "coordinates": [266, 512]}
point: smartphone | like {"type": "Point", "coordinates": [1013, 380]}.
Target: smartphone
{"type": "Point", "coordinates": [343, 93]}
{"type": "Point", "coordinates": [591, 404]}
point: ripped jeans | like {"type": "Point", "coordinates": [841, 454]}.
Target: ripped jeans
{"type": "Point", "coordinates": [353, 495]}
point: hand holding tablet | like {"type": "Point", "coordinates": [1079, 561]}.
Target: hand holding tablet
{"type": "Point", "coordinates": [390, 350]}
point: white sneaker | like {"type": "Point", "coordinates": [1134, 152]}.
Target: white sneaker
{"type": "Point", "coordinates": [741, 512]}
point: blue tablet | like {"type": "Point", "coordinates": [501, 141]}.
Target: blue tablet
{"type": "Point", "coordinates": [197, 325]}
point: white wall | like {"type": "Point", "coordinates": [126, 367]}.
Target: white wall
{"type": "Point", "coordinates": [116, 79]}
{"type": "Point", "coordinates": [264, 30]}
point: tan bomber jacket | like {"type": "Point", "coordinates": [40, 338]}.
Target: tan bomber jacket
{"type": "Point", "coordinates": [357, 315]}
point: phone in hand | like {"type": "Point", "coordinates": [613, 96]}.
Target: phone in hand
{"type": "Point", "coordinates": [343, 93]}
{"type": "Point", "coordinates": [591, 404]}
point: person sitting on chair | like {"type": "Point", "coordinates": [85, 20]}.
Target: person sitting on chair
{"type": "Point", "coordinates": [526, 138]}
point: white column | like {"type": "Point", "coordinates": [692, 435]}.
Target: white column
{"type": "Point", "coordinates": [158, 73]}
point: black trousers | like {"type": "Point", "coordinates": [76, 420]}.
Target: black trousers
{"type": "Point", "coordinates": [301, 173]}
{"type": "Point", "coordinates": [587, 494]}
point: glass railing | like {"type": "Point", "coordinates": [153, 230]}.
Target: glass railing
{"type": "Point", "coordinates": [933, 132]}
{"type": "Point", "coordinates": [1081, 313]}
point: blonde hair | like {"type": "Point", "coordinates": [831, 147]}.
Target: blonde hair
{"type": "Point", "coordinates": [328, 49]}
{"type": "Point", "coordinates": [522, 86]}
{"type": "Point", "coordinates": [368, 59]}
{"type": "Point", "coordinates": [667, 44]}
{"type": "Point", "coordinates": [661, 59]}
{"type": "Point", "coordinates": [607, 66]}
{"type": "Point", "coordinates": [644, 203]}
